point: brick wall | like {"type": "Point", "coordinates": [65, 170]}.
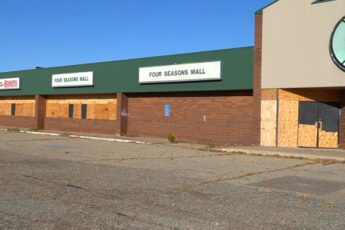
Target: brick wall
{"type": "Point", "coordinates": [18, 121]}
{"type": "Point", "coordinates": [257, 76]}
{"type": "Point", "coordinates": [78, 125]}
{"type": "Point", "coordinates": [40, 111]}
{"type": "Point", "coordinates": [214, 117]}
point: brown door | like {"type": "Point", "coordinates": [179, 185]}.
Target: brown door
{"type": "Point", "coordinates": [318, 124]}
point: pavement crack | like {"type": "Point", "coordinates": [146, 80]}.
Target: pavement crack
{"type": "Point", "coordinates": [32, 177]}
{"type": "Point", "coordinates": [256, 173]}
{"type": "Point", "coordinates": [75, 186]}
{"type": "Point", "coordinates": [160, 158]}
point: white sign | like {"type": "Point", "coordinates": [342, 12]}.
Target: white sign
{"type": "Point", "coordinates": [72, 79]}
{"type": "Point", "coordinates": [204, 71]}
{"type": "Point", "coordinates": [9, 83]}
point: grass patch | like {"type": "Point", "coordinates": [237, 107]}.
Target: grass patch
{"type": "Point", "coordinates": [13, 130]}
{"type": "Point", "coordinates": [172, 138]}
{"type": "Point", "coordinates": [65, 134]}
{"type": "Point", "coordinates": [33, 130]}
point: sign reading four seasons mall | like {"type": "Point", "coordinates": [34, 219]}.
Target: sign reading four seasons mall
{"type": "Point", "coordinates": [338, 44]}
{"type": "Point", "coordinates": [9, 83]}
{"type": "Point", "coordinates": [203, 71]}
{"type": "Point", "coordinates": [72, 79]}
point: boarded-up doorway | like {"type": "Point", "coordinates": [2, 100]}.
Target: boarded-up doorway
{"type": "Point", "coordinates": [318, 124]}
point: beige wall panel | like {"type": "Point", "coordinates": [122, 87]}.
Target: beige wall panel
{"type": "Point", "coordinates": [268, 122]}
{"type": "Point", "coordinates": [288, 124]}
{"type": "Point", "coordinates": [296, 36]}
{"type": "Point", "coordinates": [307, 136]}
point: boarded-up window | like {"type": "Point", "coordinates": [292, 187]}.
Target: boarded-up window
{"type": "Point", "coordinates": [102, 107]}
{"type": "Point", "coordinates": [83, 111]}
{"type": "Point", "coordinates": [24, 106]}
{"type": "Point", "coordinates": [70, 110]}
{"type": "Point", "coordinates": [13, 109]}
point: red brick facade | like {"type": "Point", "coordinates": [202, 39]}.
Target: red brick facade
{"type": "Point", "coordinates": [17, 121]}
{"type": "Point", "coordinates": [209, 117]}
{"type": "Point", "coordinates": [257, 75]}
{"type": "Point", "coordinates": [122, 114]}
{"type": "Point", "coordinates": [79, 125]}
{"type": "Point", "coordinates": [213, 117]}
{"type": "Point", "coordinates": [40, 111]}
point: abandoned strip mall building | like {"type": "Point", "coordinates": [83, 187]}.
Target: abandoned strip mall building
{"type": "Point", "coordinates": [286, 91]}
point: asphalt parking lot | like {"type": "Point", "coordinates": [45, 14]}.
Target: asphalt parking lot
{"type": "Point", "coordinates": [59, 182]}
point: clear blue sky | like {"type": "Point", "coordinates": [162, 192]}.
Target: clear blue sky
{"type": "Point", "coordinates": [64, 32]}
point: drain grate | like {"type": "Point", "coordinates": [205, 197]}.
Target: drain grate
{"type": "Point", "coordinates": [302, 185]}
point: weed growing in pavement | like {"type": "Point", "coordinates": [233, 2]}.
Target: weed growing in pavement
{"type": "Point", "coordinates": [171, 138]}
{"type": "Point", "coordinates": [211, 146]}
{"type": "Point", "coordinates": [14, 130]}
{"type": "Point", "coordinates": [34, 130]}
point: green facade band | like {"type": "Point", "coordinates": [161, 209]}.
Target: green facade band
{"type": "Point", "coordinates": [123, 76]}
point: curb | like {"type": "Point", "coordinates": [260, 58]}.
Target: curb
{"type": "Point", "coordinates": [284, 155]}
{"type": "Point", "coordinates": [82, 137]}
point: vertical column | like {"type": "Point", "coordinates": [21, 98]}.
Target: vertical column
{"type": "Point", "coordinates": [122, 114]}
{"type": "Point", "coordinates": [40, 111]}
{"type": "Point", "coordinates": [257, 75]}
{"type": "Point", "coordinates": [342, 121]}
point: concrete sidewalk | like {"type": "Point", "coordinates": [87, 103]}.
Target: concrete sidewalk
{"type": "Point", "coordinates": [337, 155]}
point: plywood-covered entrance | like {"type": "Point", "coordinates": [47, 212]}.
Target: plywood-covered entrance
{"type": "Point", "coordinates": [300, 118]}
{"type": "Point", "coordinates": [318, 124]}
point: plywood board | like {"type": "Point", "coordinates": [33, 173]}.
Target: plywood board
{"type": "Point", "coordinates": [268, 94]}
{"type": "Point", "coordinates": [105, 111]}
{"type": "Point", "coordinates": [322, 95]}
{"type": "Point", "coordinates": [54, 110]}
{"type": "Point", "coordinates": [307, 136]}
{"type": "Point", "coordinates": [268, 123]}
{"type": "Point", "coordinates": [5, 109]}
{"type": "Point", "coordinates": [288, 124]}
{"type": "Point", "coordinates": [328, 139]}
{"type": "Point", "coordinates": [29, 109]}
{"type": "Point", "coordinates": [77, 111]}
{"type": "Point", "coordinates": [25, 106]}
{"type": "Point", "coordinates": [98, 106]}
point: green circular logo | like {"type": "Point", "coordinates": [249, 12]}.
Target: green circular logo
{"type": "Point", "coordinates": [338, 44]}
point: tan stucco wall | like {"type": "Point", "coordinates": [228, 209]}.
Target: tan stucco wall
{"type": "Point", "coordinates": [296, 36]}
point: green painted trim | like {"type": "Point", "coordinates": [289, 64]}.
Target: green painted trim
{"type": "Point", "coordinates": [123, 76]}
{"type": "Point", "coordinates": [262, 9]}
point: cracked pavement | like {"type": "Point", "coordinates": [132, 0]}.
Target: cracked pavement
{"type": "Point", "coordinates": [71, 183]}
